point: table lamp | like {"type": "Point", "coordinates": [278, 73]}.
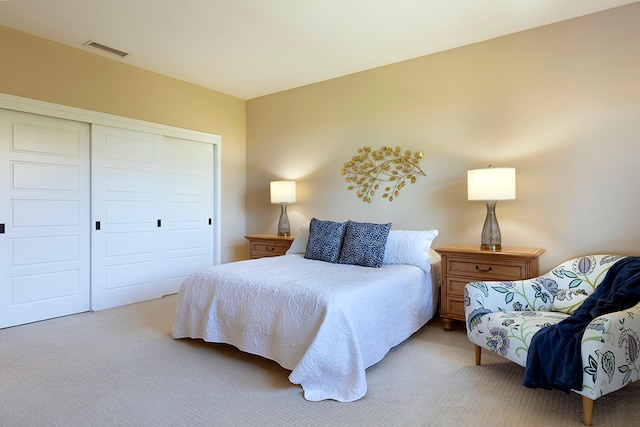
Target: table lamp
{"type": "Point", "coordinates": [283, 192]}
{"type": "Point", "coordinates": [491, 185]}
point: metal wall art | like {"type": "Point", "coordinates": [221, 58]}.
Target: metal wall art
{"type": "Point", "coordinates": [386, 168]}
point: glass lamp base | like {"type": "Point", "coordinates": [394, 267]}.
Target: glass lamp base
{"type": "Point", "coordinates": [491, 237]}
{"type": "Point", "coordinates": [284, 229]}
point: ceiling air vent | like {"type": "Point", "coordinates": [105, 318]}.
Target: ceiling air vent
{"type": "Point", "coordinates": [104, 48]}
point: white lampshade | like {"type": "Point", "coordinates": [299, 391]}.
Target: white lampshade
{"type": "Point", "coordinates": [491, 184]}
{"type": "Point", "coordinates": [283, 192]}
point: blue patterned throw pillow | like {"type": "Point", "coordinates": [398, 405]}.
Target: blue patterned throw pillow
{"type": "Point", "coordinates": [325, 240]}
{"type": "Point", "coordinates": [364, 244]}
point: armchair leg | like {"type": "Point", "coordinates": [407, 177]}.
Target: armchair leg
{"type": "Point", "coordinates": [587, 410]}
{"type": "Point", "coordinates": [478, 354]}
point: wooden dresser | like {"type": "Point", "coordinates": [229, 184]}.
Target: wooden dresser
{"type": "Point", "coordinates": [462, 264]}
{"type": "Point", "coordinates": [264, 245]}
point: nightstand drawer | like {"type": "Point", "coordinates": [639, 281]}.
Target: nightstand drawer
{"type": "Point", "coordinates": [264, 249]}
{"type": "Point", "coordinates": [268, 245]}
{"type": "Point", "coordinates": [486, 269]}
{"type": "Point", "coordinates": [454, 308]}
{"type": "Point", "coordinates": [455, 285]}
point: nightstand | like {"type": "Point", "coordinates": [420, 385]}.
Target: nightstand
{"type": "Point", "coordinates": [462, 264]}
{"type": "Point", "coordinates": [264, 245]}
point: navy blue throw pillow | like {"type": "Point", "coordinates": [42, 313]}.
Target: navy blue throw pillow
{"type": "Point", "coordinates": [364, 244]}
{"type": "Point", "coordinates": [325, 240]}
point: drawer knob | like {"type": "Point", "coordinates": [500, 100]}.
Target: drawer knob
{"type": "Point", "coordinates": [270, 249]}
{"type": "Point", "coordinates": [483, 270]}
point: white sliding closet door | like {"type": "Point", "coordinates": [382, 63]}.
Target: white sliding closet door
{"type": "Point", "coordinates": [44, 217]}
{"type": "Point", "coordinates": [188, 210]}
{"type": "Point", "coordinates": [126, 208]}
{"type": "Point", "coordinates": [152, 213]}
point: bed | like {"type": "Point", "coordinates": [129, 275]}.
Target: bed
{"type": "Point", "coordinates": [325, 321]}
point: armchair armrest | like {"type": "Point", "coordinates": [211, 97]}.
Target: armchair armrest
{"type": "Point", "coordinates": [521, 295]}
{"type": "Point", "coordinates": [611, 352]}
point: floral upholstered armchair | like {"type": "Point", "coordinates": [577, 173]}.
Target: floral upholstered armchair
{"type": "Point", "coordinates": [503, 317]}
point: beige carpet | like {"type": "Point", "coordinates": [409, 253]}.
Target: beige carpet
{"type": "Point", "coordinates": [120, 367]}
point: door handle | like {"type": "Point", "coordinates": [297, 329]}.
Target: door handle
{"type": "Point", "coordinates": [1, 228]}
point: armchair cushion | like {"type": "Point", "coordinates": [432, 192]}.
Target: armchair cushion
{"type": "Point", "coordinates": [509, 333]}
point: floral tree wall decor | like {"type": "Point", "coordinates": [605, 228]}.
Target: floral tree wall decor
{"type": "Point", "coordinates": [385, 171]}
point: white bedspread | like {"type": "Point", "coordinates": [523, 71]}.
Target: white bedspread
{"type": "Point", "coordinates": [325, 322]}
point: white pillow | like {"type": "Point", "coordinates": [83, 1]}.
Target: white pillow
{"type": "Point", "coordinates": [409, 247]}
{"type": "Point", "coordinates": [299, 245]}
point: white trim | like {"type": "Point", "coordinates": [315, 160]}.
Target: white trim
{"type": "Point", "coordinates": [217, 201]}
{"type": "Point", "coordinates": [34, 106]}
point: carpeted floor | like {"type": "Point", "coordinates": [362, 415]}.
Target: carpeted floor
{"type": "Point", "coordinates": [120, 367]}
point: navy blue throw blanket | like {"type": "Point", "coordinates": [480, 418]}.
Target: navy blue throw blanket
{"type": "Point", "coordinates": [554, 359]}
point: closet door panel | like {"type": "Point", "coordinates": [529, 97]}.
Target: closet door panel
{"type": "Point", "coordinates": [189, 206]}
{"type": "Point", "coordinates": [44, 193]}
{"type": "Point", "coordinates": [127, 170]}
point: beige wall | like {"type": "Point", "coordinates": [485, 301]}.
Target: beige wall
{"type": "Point", "coordinates": [39, 69]}
{"type": "Point", "coordinates": [559, 103]}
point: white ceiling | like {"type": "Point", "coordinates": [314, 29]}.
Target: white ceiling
{"type": "Point", "coordinates": [250, 48]}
